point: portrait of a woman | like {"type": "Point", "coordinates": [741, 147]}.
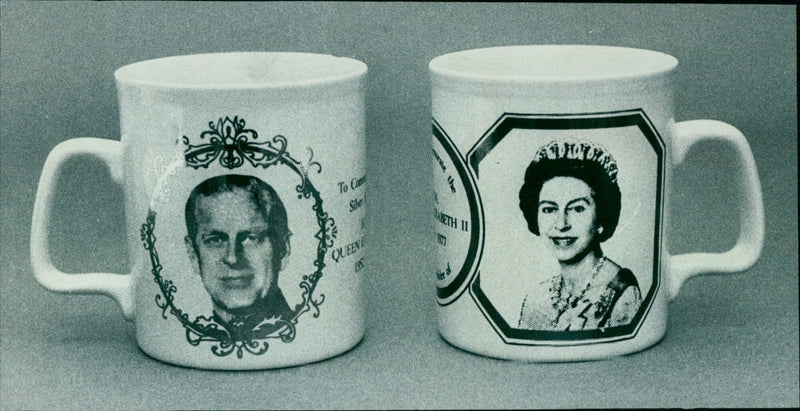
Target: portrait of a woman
{"type": "Point", "coordinates": [571, 199]}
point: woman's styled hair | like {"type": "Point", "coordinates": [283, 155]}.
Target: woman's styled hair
{"type": "Point", "coordinates": [593, 166]}
{"type": "Point", "coordinates": [264, 200]}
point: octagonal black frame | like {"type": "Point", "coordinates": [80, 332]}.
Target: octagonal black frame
{"type": "Point", "coordinates": [493, 136]}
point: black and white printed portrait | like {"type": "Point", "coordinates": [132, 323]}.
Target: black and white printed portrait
{"type": "Point", "coordinates": [238, 257]}
{"type": "Point", "coordinates": [237, 242]}
{"type": "Point", "coordinates": [571, 209]}
{"type": "Point", "coordinates": [571, 200]}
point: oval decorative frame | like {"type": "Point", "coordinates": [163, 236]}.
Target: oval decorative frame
{"type": "Point", "coordinates": [467, 268]}
{"type": "Point", "coordinates": [230, 142]}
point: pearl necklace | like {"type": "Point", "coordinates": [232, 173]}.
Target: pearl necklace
{"type": "Point", "coordinates": [562, 303]}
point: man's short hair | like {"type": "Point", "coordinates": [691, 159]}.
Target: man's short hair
{"type": "Point", "coordinates": [265, 200]}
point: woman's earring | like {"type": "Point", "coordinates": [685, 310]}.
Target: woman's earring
{"type": "Point", "coordinates": [599, 230]}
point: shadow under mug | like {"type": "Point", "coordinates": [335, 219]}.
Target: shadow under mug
{"type": "Point", "coordinates": [239, 171]}
{"type": "Point", "coordinates": [551, 166]}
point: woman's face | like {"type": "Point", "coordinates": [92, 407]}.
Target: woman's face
{"type": "Point", "coordinates": [567, 218]}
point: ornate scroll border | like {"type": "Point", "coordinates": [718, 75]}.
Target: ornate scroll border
{"type": "Point", "coordinates": [231, 143]}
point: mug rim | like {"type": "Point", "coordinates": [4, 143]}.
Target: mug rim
{"type": "Point", "coordinates": [550, 64]}
{"type": "Point", "coordinates": [278, 70]}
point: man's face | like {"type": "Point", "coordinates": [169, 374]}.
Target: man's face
{"type": "Point", "coordinates": [233, 250]}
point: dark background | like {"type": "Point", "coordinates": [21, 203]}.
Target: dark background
{"type": "Point", "coordinates": [732, 340]}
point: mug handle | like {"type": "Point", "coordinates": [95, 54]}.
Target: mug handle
{"type": "Point", "coordinates": [748, 247]}
{"type": "Point", "coordinates": [117, 286]}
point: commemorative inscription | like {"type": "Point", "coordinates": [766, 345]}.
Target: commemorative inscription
{"type": "Point", "coordinates": [455, 215]}
{"type": "Point", "coordinates": [352, 248]}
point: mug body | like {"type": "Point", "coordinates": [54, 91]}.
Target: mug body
{"type": "Point", "coordinates": [550, 165]}
{"type": "Point", "coordinates": [244, 180]}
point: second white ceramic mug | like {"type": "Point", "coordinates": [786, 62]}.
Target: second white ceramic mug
{"type": "Point", "coordinates": [551, 166]}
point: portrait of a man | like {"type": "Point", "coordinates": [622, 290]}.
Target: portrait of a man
{"type": "Point", "coordinates": [237, 241]}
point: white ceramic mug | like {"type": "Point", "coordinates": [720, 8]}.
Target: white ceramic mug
{"type": "Point", "coordinates": [551, 166]}
{"type": "Point", "coordinates": [244, 181]}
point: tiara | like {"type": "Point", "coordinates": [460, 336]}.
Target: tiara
{"type": "Point", "coordinates": [578, 150]}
